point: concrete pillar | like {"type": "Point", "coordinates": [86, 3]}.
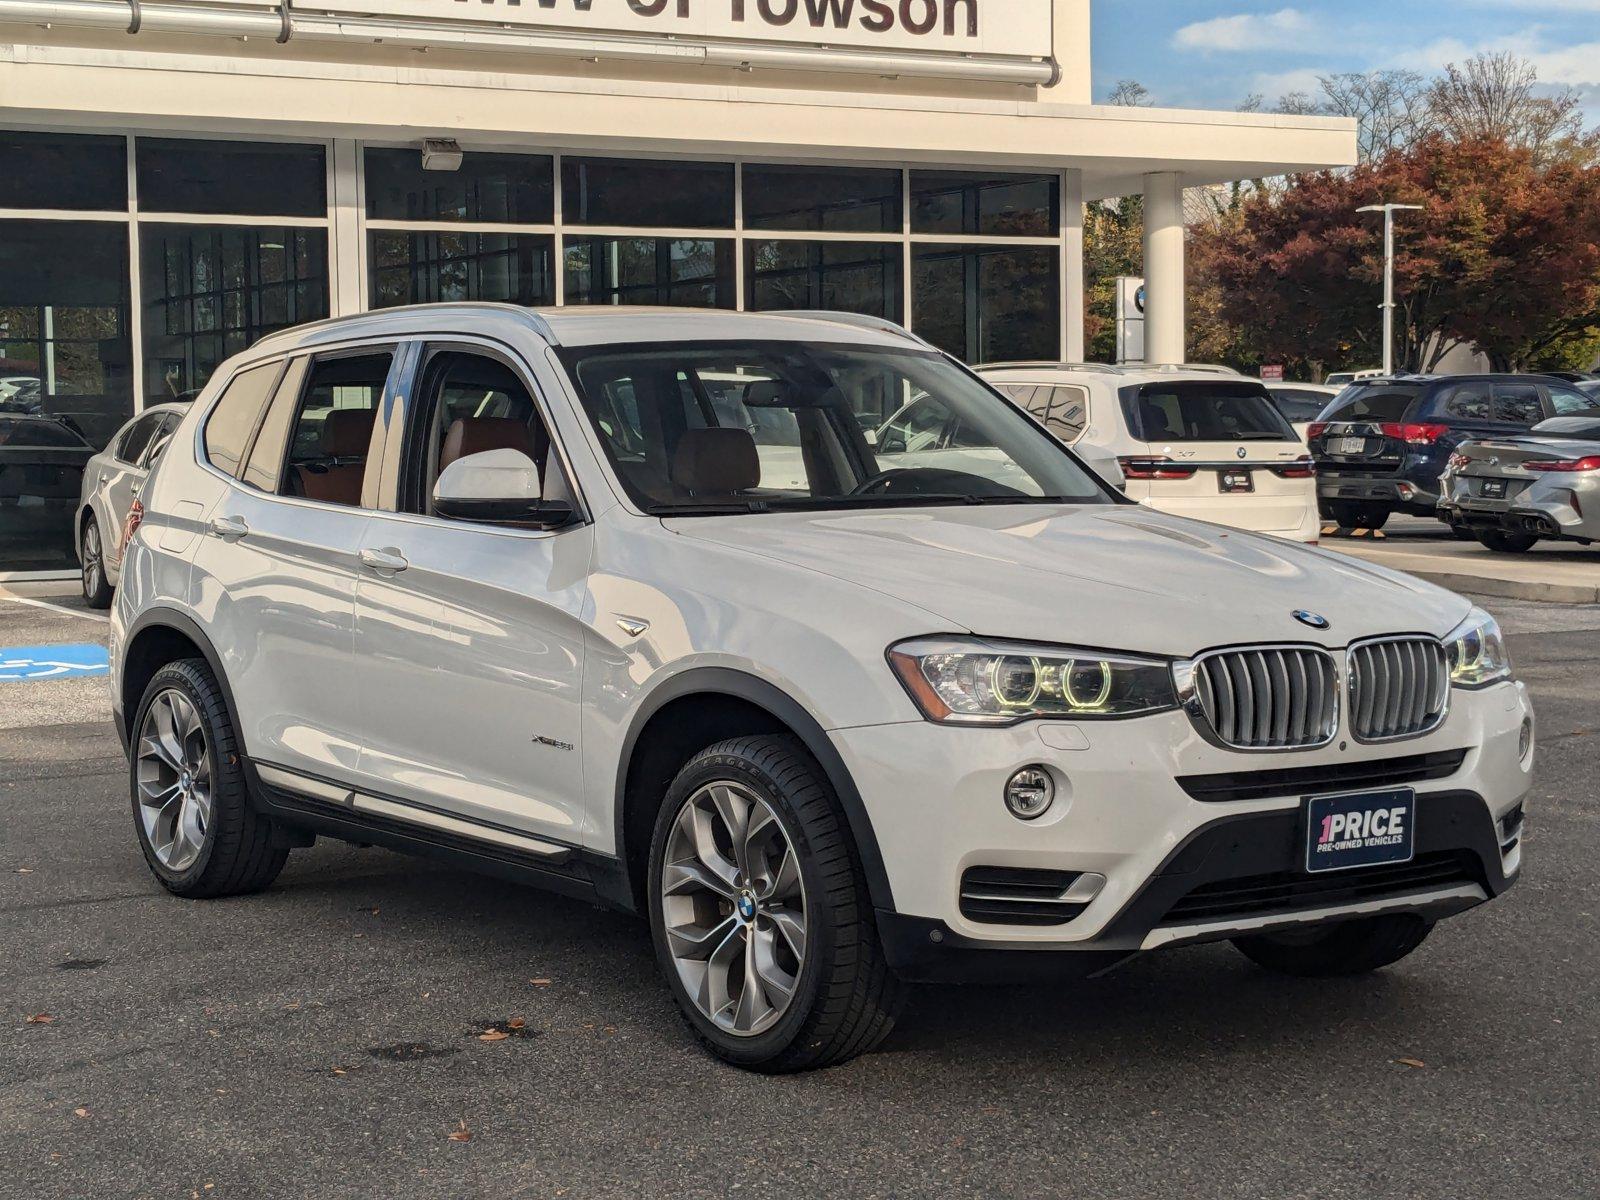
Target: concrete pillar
{"type": "Point", "coordinates": [1164, 324]}
{"type": "Point", "coordinates": [1072, 277]}
{"type": "Point", "coordinates": [347, 255]}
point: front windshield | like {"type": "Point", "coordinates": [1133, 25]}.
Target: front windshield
{"type": "Point", "coordinates": [699, 428]}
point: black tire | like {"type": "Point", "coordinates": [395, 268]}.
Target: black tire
{"type": "Point", "coordinates": [1507, 543]}
{"type": "Point", "coordinates": [97, 591]}
{"type": "Point", "coordinates": [237, 855]}
{"type": "Point", "coordinates": [1349, 948]}
{"type": "Point", "coordinates": [846, 998]}
{"type": "Point", "coordinates": [1463, 533]}
{"type": "Point", "coordinates": [1349, 514]}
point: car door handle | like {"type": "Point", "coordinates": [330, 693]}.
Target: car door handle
{"type": "Point", "coordinates": [229, 529]}
{"type": "Point", "coordinates": [388, 559]}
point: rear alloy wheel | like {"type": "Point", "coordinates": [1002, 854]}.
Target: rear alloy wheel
{"type": "Point", "coordinates": [1507, 543]}
{"type": "Point", "coordinates": [199, 833]}
{"type": "Point", "coordinates": [1348, 948]}
{"type": "Point", "coordinates": [1350, 515]}
{"type": "Point", "coordinates": [91, 552]}
{"type": "Point", "coordinates": [760, 914]}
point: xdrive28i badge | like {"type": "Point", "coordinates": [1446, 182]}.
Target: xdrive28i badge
{"type": "Point", "coordinates": [1315, 620]}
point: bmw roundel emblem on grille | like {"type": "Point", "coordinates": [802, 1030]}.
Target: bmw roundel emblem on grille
{"type": "Point", "coordinates": [1315, 620]}
{"type": "Point", "coordinates": [1243, 453]}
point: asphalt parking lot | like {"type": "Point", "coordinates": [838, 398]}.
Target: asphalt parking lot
{"type": "Point", "coordinates": [326, 1038]}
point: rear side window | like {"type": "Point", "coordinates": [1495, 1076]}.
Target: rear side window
{"type": "Point", "coordinates": [1203, 412]}
{"type": "Point", "coordinates": [137, 439]}
{"type": "Point", "coordinates": [1569, 401]}
{"type": "Point", "coordinates": [1471, 401]}
{"type": "Point", "coordinates": [1300, 406]}
{"type": "Point", "coordinates": [163, 436]}
{"type": "Point", "coordinates": [1064, 410]}
{"type": "Point", "coordinates": [231, 422]}
{"type": "Point", "coordinates": [1371, 404]}
{"type": "Point", "coordinates": [1518, 403]}
{"type": "Point", "coordinates": [331, 435]}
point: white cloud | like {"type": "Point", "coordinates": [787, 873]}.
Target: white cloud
{"type": "Point", "coordinates": [1556, 63]}
{"type": "Point", "coordinates": [1288, 28]}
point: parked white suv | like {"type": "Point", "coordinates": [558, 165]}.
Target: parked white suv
{"type": "Point", "coordinates": [1190, 442]}
{"type": "Point", "coordinates": [514, 588]}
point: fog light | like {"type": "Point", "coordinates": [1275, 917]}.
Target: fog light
{"type": "Point", "coordinates": [1029, 793]}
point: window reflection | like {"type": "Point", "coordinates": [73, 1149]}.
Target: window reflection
{"type": "Point", "coordinates": [418, 268]}
{"type": "Point", "coordinates": [989, 303]}
{"type": "Point", "coordinates": [859, 277]}
{"type": "Point", "coordinates": [837, 199]}
{"type": "Point", "coordinates": [507, 188]}
{"type": "Point", "coordinates": [210, 291]}
{"type": "Point", "coordinates": [268, 179]}
{"type": "Point", "coordinates": [687, 272]}
{"type": "Point", "coordinates": [640, 192]}
{"type": "Point", "coordinates": [973, 203]}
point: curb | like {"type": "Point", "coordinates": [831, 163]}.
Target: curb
{"type": "Point", "coordinates": [1507, 589]}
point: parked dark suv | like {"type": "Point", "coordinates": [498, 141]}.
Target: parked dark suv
{"type": "Point", "coordinates": [1382, 444]}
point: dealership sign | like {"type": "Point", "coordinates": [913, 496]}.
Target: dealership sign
{"type": "Point", "coordinates": [990, 27]}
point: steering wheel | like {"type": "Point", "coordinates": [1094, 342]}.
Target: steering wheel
{"type": "Point", "coordinates": [922, 481]}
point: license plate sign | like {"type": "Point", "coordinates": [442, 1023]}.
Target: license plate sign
{"type": "Point", "coordinates": [1347, 445]}
{"type": "Point", "coordinates": [1362, 830]}
{"type": "Point", "coordinates": [1236, 481]}
{"type": "Point", "coordinates": [1494, 489]}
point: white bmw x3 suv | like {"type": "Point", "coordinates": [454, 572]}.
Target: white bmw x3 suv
{"type": "Point", "coordinates": [624, 603]}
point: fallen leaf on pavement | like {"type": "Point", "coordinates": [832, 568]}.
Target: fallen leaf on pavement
{"type": "Point", "coordinates": [540, 982]}
{"type": "Point", "coordinates": [493, 1035]}
{"type": "Point", "coordinates": [80, 1112]}
{"type": "Point", "coordinates": [38, 1019]}
{"type": "Point", "coordinates": [515, 1023]}
{"type": "Point", "coordinates": [461, 1133]}
{"type": "Point", "coordinates": [24, 870]}
{"type": "Point", "coordinates": [1416, 1063]}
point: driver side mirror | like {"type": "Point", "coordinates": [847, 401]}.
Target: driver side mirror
{"type": "Point", "coordinates": [497, 487]}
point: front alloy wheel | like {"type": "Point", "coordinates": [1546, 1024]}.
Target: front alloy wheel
{"type": "Point", "coordinates": [760, 911]}
{"type": "Point", "coordinates": [735, 908]}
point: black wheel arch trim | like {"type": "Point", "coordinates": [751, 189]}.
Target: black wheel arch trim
{"type": "Point", "coordinates": [725, 681]}
{"type": "Point", "coordinates": [163, 616]}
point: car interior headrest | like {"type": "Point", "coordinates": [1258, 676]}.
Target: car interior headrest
{"type": "Point", "coordinates": [474, 435]}
{"type": "Point", "coordinates": [347, 432]}
{"type": "Point", "coordinates": [716, 462]}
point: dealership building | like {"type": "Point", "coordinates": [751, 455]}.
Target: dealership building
{"type": "Point", "coordinates": [179, 179]}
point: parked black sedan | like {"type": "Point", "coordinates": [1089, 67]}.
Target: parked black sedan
{"type": "Point", "coordinates": [1383, 444]}
{"type": "Point", "coordinates": [41, 474]}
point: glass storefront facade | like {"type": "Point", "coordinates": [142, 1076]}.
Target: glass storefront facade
{"type": "Point", "coordinates": [131, 266]}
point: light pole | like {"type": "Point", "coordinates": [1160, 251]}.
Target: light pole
{"type": "Point", "coordinates": [1388, 211]}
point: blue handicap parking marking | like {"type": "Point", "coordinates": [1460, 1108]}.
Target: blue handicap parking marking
{"type": "Point", "coordinates": [28, 664]}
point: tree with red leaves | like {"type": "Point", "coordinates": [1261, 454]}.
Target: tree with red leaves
{"type": "Point", "coordinates": [1505, 256]}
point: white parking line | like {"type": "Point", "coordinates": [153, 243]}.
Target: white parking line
{"type": "Point", "coordinates": [62, 609]}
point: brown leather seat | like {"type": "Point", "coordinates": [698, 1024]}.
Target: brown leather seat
{"type": "Point", "coordinates": [475, 435]}
{"type": "Point", "coordinates": [346, 437]}
{"type": "Point", "coordinates": [716, 462]}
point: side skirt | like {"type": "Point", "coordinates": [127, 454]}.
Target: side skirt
{"type": "Point", "coordinates": [321, 806]}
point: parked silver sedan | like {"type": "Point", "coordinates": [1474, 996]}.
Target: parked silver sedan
{"type": "Point", "coordinates": [1512, 492]}
{"type": "Point", "coordinates": [111, 483]}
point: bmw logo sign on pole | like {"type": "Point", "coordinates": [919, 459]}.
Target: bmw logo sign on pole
{"type": "Point", "coordinates": [1315, 620]}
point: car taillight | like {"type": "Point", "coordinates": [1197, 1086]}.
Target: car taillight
{"type": "Point", "coordinates": [135, 516]}
{"type": "Point", "coordinates": [1413, 434]}
{"type": "Point", "coordinates": [1568, 465]}
{"type": "Point", "coordinates": [1155, 468]}
{"type": "Point", "coordinates": [1300, 468]}
{"type": "Point", "coordinates": [1315, 430]}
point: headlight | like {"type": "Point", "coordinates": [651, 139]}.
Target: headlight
{"type": "Point", "coordinates": [1477, 650]}
{"type": "Point", "coordinates": [972, 682]}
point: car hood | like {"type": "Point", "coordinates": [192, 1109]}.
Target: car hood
{"type": "Point", "coordinates": [1123, 578]}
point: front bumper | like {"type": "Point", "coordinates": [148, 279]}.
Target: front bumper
{"type": "Point", "coordinates": [934, 797]}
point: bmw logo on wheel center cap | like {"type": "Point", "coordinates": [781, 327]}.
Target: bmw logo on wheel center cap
{"type": "Point", "coordinates": [1315, 620]}
{"type": "Point", "coordinates": [747, 906]}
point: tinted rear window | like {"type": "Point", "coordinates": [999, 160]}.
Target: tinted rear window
{"type": "Point", "coordinates": [234, 418]}
{"type": "Point", "coordinates": [1203, 412]}
{"type": "Point", "coordinates": [1358, 403]}
{"type": "Point", "coordinates": [1571, 427]}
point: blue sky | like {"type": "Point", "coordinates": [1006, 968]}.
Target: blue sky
{"type": "Point", "coordinates": [1213, 53]}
